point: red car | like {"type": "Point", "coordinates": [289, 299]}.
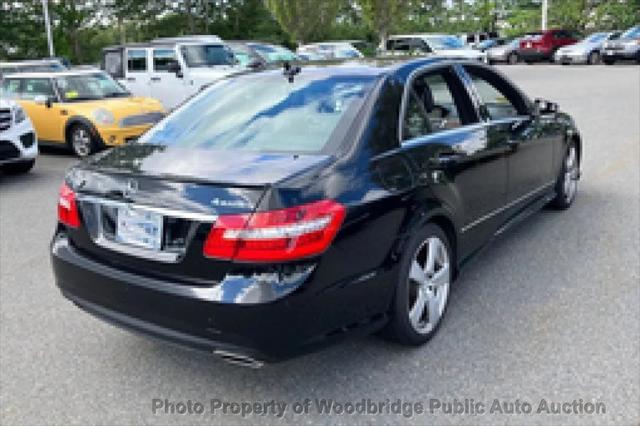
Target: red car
{"type": "Point", "coordinates": [541, 45]}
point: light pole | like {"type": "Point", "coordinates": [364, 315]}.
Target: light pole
{"type": "Point", "coordinates": [47, 25]}
{"type": "Point", "coordinates": [545, 10]}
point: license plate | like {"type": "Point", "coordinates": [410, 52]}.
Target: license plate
{"type": "Point", "coordinates": [529, 45]}
{"type": "Point", "coordinates": [608, 52]}
{"type": "Point", "coordinates": [139, 228]}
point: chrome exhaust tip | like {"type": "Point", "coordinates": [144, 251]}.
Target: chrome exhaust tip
{"type": "Point", "coordinates": [239, 359]}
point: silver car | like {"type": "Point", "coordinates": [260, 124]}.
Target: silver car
{"type": "Point", "coordinates": [587, 51]}
{"type": "Point", "coordinates": [508, 53]}
{"type": "Point", "coordinates": [627, 47]}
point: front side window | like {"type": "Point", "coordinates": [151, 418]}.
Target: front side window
{"type": "Point", "coordinates": [265, 113]}
{"type": "Point", "coordinates": [431, 106]}
{"type": "Point", "coordinates": [444, 42]}
{"type": "Point", "coordinates": [84, 87]}
{"type": "Point", "coordinates": [500, 100]}
{"type": "Point", "coordinates": [137, 60]}
{"type": "Point", "coordinates": [206, 55]}
{"type": "Point", "coordinates": [162, 58]}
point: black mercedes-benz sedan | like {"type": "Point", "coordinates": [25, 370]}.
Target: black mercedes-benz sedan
{"type": "Point", "coordinates": [277, 212]}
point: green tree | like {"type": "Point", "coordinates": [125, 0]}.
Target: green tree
{"type": "Point", "coordinates": [383, 16]}
{"type": "Point", "coordinates": [305, 20]}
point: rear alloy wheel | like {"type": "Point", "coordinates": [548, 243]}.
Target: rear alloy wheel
{"type": "Point", "coordinates": [567, 184]}
{"type": "Point", "coordinates": [512, 59]}
{"type": "Point", "coordinates": [423, 291]}
{"type": "Point", "coordinates": [594, 58]}
{"type": "Point", "coordinates": [81, 141]}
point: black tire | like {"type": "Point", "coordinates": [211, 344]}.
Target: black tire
{"type": "Point", "coordinates": [400, 328]}
{"type": "Point", "coordinates": [594, 58]}
{"type": "Point", "coordinates": [564, 197]}
{"type": "Point", "coordinates": [18, 168]}
{"type": "Point", "coordinates": [528, 62]}
{"type": "Point", "coordinates": [513, 58]}
{"type": "Point", "coordinates": [609, 61]}
{"type": "Point", "coordinates": [90, 143]}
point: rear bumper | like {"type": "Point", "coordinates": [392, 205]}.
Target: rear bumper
{"type": "Point", "coordinates": [621, 55]}
{"type": "Point", "coordinates": [291, 325]}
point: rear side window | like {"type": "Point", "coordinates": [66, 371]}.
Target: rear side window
{"type": "Point", "coordinates": [162, 58]}
{"type": "Point", "coordinates": [435, 102]}
{"type": "Point", "coordinates": [137, 60]}
{"type": "Point", "coordinates": [32, 87]}
{"type": "Point", "coordinates": [10, 89]}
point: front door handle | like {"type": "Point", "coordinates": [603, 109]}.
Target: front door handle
{"type": "Point", "coordinates": [155, 79]}
{"type": "Point", "coordinates": [445, 159]}
{"type": "Point", "coordinates": [131, 79]}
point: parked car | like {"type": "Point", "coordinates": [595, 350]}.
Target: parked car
{"type": "Point", "coordinates": [627, 47]}
{"type": "Point", "coordinates": [587, 51]}
{"type": "Point", "coordinates": [170, 69]}
{"type": "Point", "coordinates": [437, 44]}
{"type": "Point", "coordinates": [232, 228]}
{"type": "Point", "coordinates": [542, 45]}
{"type": "Point", "coordinates": [40, 65]}
{"type": "Point", "coordinates": [508, 53]}
{"type": "Point", "coordinates": [485, 45]}
{"type": "Point", "coordinates": [257, 55]}
{"type": "Point", "coordinates": [330, 50]}
{"type": "Point", "coordinates": [84, 110]}
{"type": "Point", "coordinates": [18, 142]}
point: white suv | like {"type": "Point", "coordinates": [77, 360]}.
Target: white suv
{"type": "Point", "coordinates": [18, 143]}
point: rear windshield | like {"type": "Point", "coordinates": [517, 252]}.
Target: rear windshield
{"type": "Point", "coordinates": [265, 113]}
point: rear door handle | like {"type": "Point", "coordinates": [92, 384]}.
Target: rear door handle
{"type": "Point", "coordinates": [155, 79]}
{"type": "Point", "coordinates": [131, 79]}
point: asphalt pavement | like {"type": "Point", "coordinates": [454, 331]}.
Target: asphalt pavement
{"type": "Point", "coordinates": [550, 312]}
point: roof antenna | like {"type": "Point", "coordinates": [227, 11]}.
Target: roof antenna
{"type": "Point", "coordinates": [290, 72]}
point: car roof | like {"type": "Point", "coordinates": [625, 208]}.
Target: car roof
{"type": "Point", "coordinates": [27, 62]}
{"type": "Point", "coordinates": [420, 35]}
{"type": "Point", "coordinates": [170, 42]}
{"type": "Point", "coordinates": [53, 74]}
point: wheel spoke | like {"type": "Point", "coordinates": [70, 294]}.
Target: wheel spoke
{"type": "Point", "coordinates": [417, 273]}
{"type": "Point", "coordinates": [432, 253]}
{"type": "Point", "coordinates": [417, 310]}
{"type": "Point", "coordinates": [441, 277]}
{"type": "Point", "coordinates": [433, 310]}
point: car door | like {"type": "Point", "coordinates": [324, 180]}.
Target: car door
{"type": "Point", "coordinates": [530, 138]}
{"type": "Point", "coordinates": [48, 117]}
{"type": "Point", "coordinates": [456, 157]}
{"type": "Point", "coordinates": [164, 82]}
{"type": "Point", "coordinates": [138, 72]}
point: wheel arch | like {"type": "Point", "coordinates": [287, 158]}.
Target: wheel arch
{"type": "Point", "coordinates": [432, 212]}
{"type": "Point", "coordinates": [78, 119]}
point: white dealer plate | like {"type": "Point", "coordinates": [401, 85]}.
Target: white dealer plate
{"type": "Point", "coordinates": [139, 228]}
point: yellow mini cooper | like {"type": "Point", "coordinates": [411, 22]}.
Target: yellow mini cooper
{"type": "Point", "coordinates": [86, 110]}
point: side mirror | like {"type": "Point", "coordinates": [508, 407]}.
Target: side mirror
{"type": "Point", "coordinates": [174, 67]}
{"type": "Point", "coordinates": [545, 107]}
{"type": "Point", "coordinates": [43, 100]}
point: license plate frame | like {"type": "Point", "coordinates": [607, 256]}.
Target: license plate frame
{"type": "Point", "coordinates": [139, 228]}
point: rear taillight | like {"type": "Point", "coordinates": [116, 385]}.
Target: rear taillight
{"type": "Point", "coordinates": [67, 207]}
{"type": "Point", "coordinates": [277, 235]}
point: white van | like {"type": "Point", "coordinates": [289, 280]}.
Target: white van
{"type": "Point", "coordinates": [170, 69]}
